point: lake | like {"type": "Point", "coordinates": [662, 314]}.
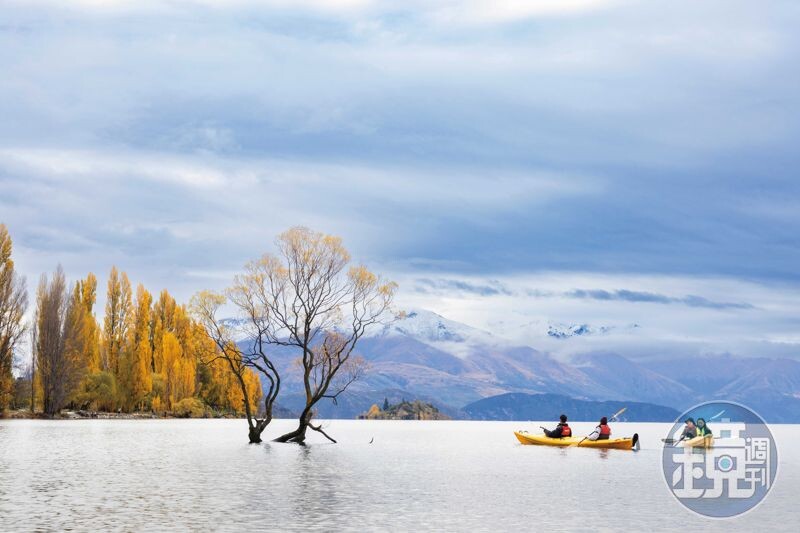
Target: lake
{"type": "Point", "coordinates": [97, 475]}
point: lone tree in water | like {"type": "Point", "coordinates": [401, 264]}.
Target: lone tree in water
{"type": "Point", "coordinates": [304, 297]}
{"type": "Point", "coordinates": [248, 296]}
{"type": "Point", "coordinates": [322, 308]}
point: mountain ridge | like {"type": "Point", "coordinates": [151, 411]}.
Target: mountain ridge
{"type": "Point", "coordinates": [452, 365]}
{"type": "Point", "coordinates": [521, 406]}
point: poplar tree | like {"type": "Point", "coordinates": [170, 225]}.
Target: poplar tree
{"type": "Point", "coordinates": [117, 320]}
{"type": "Point", "coordinates": [138, 355]}
{"type": "Point", "coordinates": [80, 334]}
{"type": "Point", "coordinates": [57, 373]}
{"type": "Point", "coordinates": [91, 331]}
{"type": "Point", "coordinates": [13, 304]}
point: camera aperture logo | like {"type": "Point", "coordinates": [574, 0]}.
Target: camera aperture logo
{"type": "Point", "coordinates": [720, 459]}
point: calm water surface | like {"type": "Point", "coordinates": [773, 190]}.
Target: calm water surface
{"type": "Point", "coordinates": [98, 475]}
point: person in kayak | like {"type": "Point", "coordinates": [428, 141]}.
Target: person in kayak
{"type": "Point", "coordinates": [601, 432]}
{"type": "Point", "coordinates": [702, 429]}
{"type": "Point", "coordinates": [689, 430]}
{"type": "Point", "coordinates": [561, 430]}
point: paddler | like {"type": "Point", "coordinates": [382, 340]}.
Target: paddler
{"type": "Point", "coordinates": [561, 430]}
{"type": "Point", "coordinates": [601, 432]}
{"type": "Point", "coordinates": [689, 430]}
{"type": "Point", "coordinates": [702, 429]}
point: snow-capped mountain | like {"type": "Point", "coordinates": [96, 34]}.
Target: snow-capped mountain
{"type": "Point", "coordinates": [565, 331]}
{"type": "Point", "coordinates": [435, 330]}
{"type": "Point", "coordinates": [542, 330]}
{"type": "Point", "coordinates": [427, 325]}
{"type": "Point", "coordinates": [425, 355]}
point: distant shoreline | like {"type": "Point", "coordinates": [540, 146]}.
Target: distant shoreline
{"type": "Point", "coordinates": [103, 415]}
{"type": "Point", "coordinates": [74, 415]}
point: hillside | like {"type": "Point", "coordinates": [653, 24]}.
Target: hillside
{"type": "Point", "coordinates": [519, 406]}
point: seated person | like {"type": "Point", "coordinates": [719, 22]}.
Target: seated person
{"type": "Point", "coordinates": [689, 430]}
{"type": "Point", "coordinates": [561, 430]}
{"type": "Point", "coordinates": [601, 432]}
{"type": "Point", "coordinates": [702, 429]}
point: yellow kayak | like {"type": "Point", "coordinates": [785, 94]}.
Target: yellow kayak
{"type": "Point", "coordinates": [626, 443]}
{"type": "Point", "coordinates": [699, 442]}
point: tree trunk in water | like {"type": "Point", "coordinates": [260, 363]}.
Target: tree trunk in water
{"type": "Point", "coordinates": [304, 423]}
{"type": "Point", "coordinates": [255, 435]}
{"type": "Point", "coordinates": [299, 434]}
{"type": "Point", "coordinates": [255, 431]}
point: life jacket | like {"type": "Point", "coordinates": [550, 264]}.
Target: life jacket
{"type": "Point", "coordinates": [703, 431]}
{"type": "Point", "coordinates": [566, 431]}
{"type": "Point", "coordinates": [605, 430]}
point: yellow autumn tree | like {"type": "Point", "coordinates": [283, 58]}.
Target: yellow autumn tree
{"type": "Point", "coordinates": [182, 328]}
{"type": "Point", "coordinates": [81, 348]}
{"type": "Point", "coordinates": [231, 392]}
{"type": "Point", "coordinates": [183, 376]}
{"type": "Point", "coordinates": [254, 391]}
{"type": "Point", "coordinates": [179, 346]}
{"type": "Point", "coordinates": [157, 337]}
{"type": "Point", "coordinates": [138, 353]}
{"type": "Point", "coordinates": [117, 321]}
{"type": "Point", "coordinates": [171, 354]}
{"type": "Point", "coordinates": [99, 387]}
{"type": "Point", "coordinates": [162, 321]}
{"type": "Point", "coordinates": [88, 288]}
{"type": "Point", "coordinates": [13, 304]}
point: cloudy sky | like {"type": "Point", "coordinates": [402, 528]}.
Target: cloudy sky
{"type": "Point", "coordinates": [512, 163]}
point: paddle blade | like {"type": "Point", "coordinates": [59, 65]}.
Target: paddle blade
{"type": "Point", "coordinates": [615, 415]}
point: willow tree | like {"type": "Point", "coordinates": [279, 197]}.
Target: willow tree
{"type": "Point", "coordinates": [308, 297]}
{"type": "Point", "coordinates": [314, 301]}
{"type": "Point", "coordinates": [247, 297]}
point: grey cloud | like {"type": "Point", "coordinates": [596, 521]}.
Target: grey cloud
{"type": "Point", "coordinates": [610, 143]}
{"type": "Point", "coordinates": [494, 288]}
{"type": "Point", "coordinates": [650, 297]}
{"type": "Point", "coordinates": [538, 293]}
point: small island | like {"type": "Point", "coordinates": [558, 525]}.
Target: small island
{"type": "Point", "coordinates": [405, 410]}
